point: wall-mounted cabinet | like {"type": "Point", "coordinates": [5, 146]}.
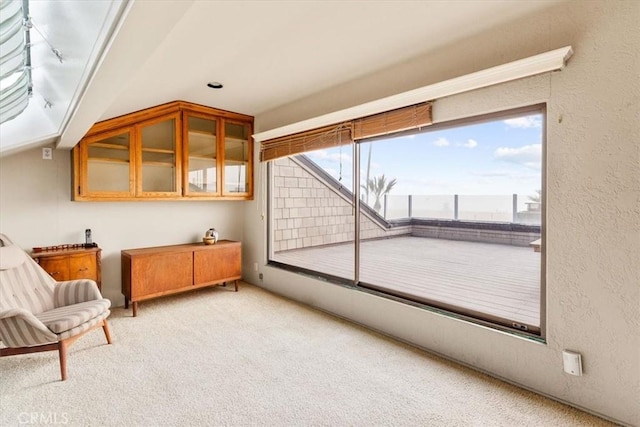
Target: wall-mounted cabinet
{"type": "Point", "coordinates": [177, 151]}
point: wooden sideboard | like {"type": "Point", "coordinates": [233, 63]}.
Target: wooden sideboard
{"type": "Point", "coordinates": [163, 270]}
{"type": "Point", "coordinates": [71, 264]}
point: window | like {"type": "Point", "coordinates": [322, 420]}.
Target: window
{"type": "Point", "coordinates": [446, 216]}
{"type": "Point", "coordinates": [312, 210]}
{"type": "Point", "coordinates": [15, 77]}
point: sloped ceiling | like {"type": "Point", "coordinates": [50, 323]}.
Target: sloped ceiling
{"type": "Point", "coordinates": [266, 53]}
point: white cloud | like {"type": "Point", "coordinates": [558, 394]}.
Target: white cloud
{"type": "Point", "coordinates": [332, 172]}
{"type": "Point", "coordinates": [493, 174]}
{"type": "Point", "coordinates": [508, 174]}
{"type": "Point", "coordinates": [529, 156]}
{"type": "Point", "coordinates": [524, 122]}
{"type": "Point", "coordinates": [411, 185]}
{"type": "Point", "coordinates": [344, 178]}
{"type": "Point", "coordinates": [330, 157]}
{"type": "Point", "coordinates": [441, 142]}
{"type": "Point", "coordinates": [471, 143]}
{"type": "Point", "coordinates": [533, 165]}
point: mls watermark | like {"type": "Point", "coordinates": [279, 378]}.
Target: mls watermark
{"type": "Point", "coordinates": [45, 418]}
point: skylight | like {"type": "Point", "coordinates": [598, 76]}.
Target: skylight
{"type": "Point", "coordinates": [15, 58]}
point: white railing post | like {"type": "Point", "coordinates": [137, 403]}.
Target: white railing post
{"type": "Point", "coordinates": [455, 206]}
{"type": "Point", "coordinates": [384, 212]}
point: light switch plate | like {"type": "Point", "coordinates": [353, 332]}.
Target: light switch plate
{"type": "Point", "coordinates": [47, 153]}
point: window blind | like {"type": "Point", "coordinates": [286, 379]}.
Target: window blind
{"type": "Point", "coordinates": [389, 122]}
{"type": "Point", "coordinates": [411, 117]}
{"type": "Point", "coordinates": [316, 139]}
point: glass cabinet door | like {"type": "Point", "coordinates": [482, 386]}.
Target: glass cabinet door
{"type": "Point", "coordinates": [201, 156]}
{"type": "Point", "coordinates": [158, 157]}
{"type": "Point", "coordinates": [236, 158]}
{"type": "Point", "coordinates": [108, 164]}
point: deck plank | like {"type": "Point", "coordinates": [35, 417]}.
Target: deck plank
{"type": "Point", "coordinates": [500, 280]}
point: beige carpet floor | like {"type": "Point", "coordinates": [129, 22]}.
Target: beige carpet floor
{"type": "Point", "coordinates": [214, 358]}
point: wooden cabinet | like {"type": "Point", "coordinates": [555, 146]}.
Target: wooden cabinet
{"type": "Point", "coordinates": [71, 264]}
{"type": "Point", "coordinates": [177, 151]}
{"type": "Point", "coordinates": [153, 272]}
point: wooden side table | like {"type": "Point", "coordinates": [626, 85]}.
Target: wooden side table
{"type": "Point", "coordinates": [71, 264]}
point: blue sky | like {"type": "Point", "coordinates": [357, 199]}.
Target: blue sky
{"type": "Point", "coordinates": [492, 158]}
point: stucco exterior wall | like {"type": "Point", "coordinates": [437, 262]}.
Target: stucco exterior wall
{"type": "Point", "coordinates": [592, 217]}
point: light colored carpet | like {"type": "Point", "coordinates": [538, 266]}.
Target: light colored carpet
{"type": "Point", "coordinates": [215, 357]}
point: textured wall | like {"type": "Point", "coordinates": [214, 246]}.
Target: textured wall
{"type": "Point", "coordinates": [592, 184]}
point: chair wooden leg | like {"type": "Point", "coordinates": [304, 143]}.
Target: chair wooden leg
{"type": "Point", "coordinates": [107, 333]}
{"type": "Point", "coordinates": [61, 346]}
{"type": "Point", "coordinates": [62, 350]}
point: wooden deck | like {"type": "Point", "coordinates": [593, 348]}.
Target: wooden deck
{"type": "Point", "coordinates": [501, 281]}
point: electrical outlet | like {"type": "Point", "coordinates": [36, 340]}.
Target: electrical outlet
{"type": "Point", "coordinates": [260, 276]}
{"type": "Point", "coordinates": [572, 362]}
{"type": "Point", "coordinates": [47, 153]}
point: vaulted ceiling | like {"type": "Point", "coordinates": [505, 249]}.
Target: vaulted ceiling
{"type": "Point", "coordinates": [120, 57]}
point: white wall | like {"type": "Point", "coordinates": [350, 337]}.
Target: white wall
{"type": "Point", "coordinates": [593, 205]}
{"type": "Point", "coordinates": [36, 210]}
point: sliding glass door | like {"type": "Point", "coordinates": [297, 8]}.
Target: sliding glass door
{"type": "Point", "coordinates": [449, 215]}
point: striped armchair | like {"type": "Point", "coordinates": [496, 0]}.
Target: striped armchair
{"type": "Point", "coordinates": [39, 314]}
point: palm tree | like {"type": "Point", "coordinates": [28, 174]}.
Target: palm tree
{"type": "Point", "coordinates": [368, 170]}
{"type": "Point", "coordinates": [378, 187]}
{"type": "Point", "coordinates": [537, 197]}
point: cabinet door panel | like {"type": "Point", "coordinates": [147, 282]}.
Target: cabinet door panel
{"type": "Point", "coordinates": [158, 163]}
{"type": "Point", "coordinates": [201, 153]}
{"type": "Point", "coordinates": [57, 267]}
{"type": "Point", "coordinates": [108, 164]}
{"type": "Point", "coordinates": [161, 273]}
{"type": "Point", "coordinates": [82, 266]}
{"type": "Point", "coordinates": [217, 264]}
{"type": "Point", "coordinates": [236, 158]}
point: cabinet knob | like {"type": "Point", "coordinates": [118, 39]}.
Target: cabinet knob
{"type": "Point", "coordinates": [83, 269]}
